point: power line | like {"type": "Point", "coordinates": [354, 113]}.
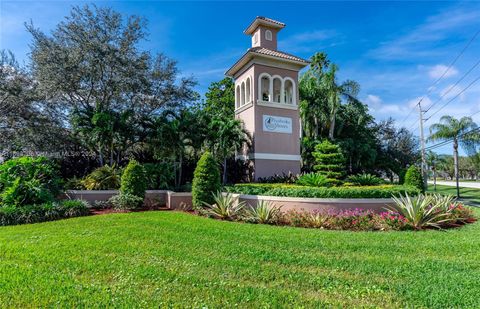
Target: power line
{"type": "Point", "coordinates": [444, 73]}
{"type": "Point", "coordinates": [452, 87]}
{"type": "Point", "coordinates": [454, 60]}
{"type": "Point", "coordinates": [452, 139]}
{"type": "Point", "coordinates": [452, 99]}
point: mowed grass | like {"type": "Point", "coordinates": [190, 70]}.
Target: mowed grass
{"type": "Point", "coordinates": [469, 196]}
{"type": "Point", "coordinates": [173, 259]}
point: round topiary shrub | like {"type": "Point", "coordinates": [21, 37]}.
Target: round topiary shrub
{"type": "Point", "coordinates": [414, 178]}
{"type": "Point", "coordinates": [206, 180]}
{"type": "Point", "coordinates": [134, 180]}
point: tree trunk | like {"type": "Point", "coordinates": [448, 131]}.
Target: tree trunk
{"type": "Point", "coordinates": [179, 177]}
{"type": "Point", "coordinates": [434, 179]}
{"type": "Point", "coordinates": [100, 157]}
{"type": "Point", "coordinates": [111, 153]}
{"type": "Point", "coordinates": [332, 125]}
{"type": "Point", "coordinates": [455, 162]}
{"type": "Point", "coordinates": [224, 180]}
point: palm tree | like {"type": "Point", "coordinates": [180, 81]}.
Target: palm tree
{"type": "Point", "coordinates": [225, 136]}
{"type": "Point", "coordinates": [347, 90]}
{"type": "Point", "coordinates": [452, 129]}
{"type": "Point", "coordinates": [432, 161]}
{"type": "Point", "coordinates": [321, 95]}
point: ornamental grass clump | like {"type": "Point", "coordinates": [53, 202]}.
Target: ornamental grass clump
{"type": "Point", "coordinates": [264, 213]}
{"type": "Point", "coordinates": [224, 207]}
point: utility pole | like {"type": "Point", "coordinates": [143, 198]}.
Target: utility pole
{"type": "Point", "coordinates": [422, 144]}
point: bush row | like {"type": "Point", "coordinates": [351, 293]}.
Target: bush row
{"type": "Point", "coordinates": [12, 215]}
{"type": "Point", "coordinates": [383, 191]}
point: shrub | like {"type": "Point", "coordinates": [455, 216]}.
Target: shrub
{"type": "Point", "coordinates": [103, 178]}
{"type": "Point", "coordinates": [313, 180]}
{"type": "Point", "coordinates": [74, 208]}
{"type": "Point", "coordinates": [125, 201]}
{"type": "Point", "coordinates": [12, 215]}
{"type": "Point", "coordinates": [206, 181]}
{"type": "Point", "coordinates": [160, 176]}
{"type": "Point", "coordinates": [224, 207]}
{"type": "Point", "coordinates": [74, 184]}
{"type": "Point", "coordinates": [426, 211]}
{"type": "Point", "coordinates": [365, 180]}
{"type": "Point", "coordinates": [28, 180]}
{"type": "Point", "coordinates": [289, 178]}
{"type": "Point", "coordinates": [329, 160]}
{"type": "Point", "coordinates": [264, 213]}
{"type": "Point", "coordinates": [134, 180]}
{"type": "Point", "coordinates": [350, 219]}
{"type": "Point", "coordinates": [383, 191]}
{"type": "Point", "coordinates": [414, 178]}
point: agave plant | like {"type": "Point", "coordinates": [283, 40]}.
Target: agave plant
{"type": "Point", "coordinates": [365, 180]}
{"type": "Point", "coordinates": [225, 207]}
{"type": "Point", "coordinates": [425, 210]}
{"type": "Point", "coordinates": [312, 180]}
{"type": "Point", "coordinates": [316, 219]}
{"type": "Point", "coordinates": [264, 213]}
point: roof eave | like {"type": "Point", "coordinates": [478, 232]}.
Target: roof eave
{"type": "Point", "coordinates": [236, 67]}
{"type": "Point", "coordinates": [257, 22]}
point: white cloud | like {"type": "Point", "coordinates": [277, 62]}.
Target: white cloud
{"type": "Point", "coordinates": [310, 41]}
{"type": "Point", "coordinates": [423, 41]}
{"type": "Point", "coordinates": [373, 101]}
{"type": "Point", "coordinates": [441, 70]}
{"type": "Point", "coordinates": [451, 91]}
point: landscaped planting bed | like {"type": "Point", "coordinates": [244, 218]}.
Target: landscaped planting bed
{"type": "Point", "coordinates": [382, 191]}
{"type": "Point", "coordinates": [174, 259]}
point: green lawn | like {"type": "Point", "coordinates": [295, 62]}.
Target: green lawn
{"type": "Point", "coordinates": [172, 259]}
{"type": "Point", "coordinates": [469, 196]}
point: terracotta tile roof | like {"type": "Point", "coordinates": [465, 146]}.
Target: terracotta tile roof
{"type": "Point", "coordinates": [271, 20]}
{"type": "Point", "coordinates": [262, 51]}
{"type": "Point", "coordinates": [276, 53]}
{"type": "Point", "coordinates": [261, 20]}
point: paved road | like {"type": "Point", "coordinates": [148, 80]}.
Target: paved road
{"type": "Point", "coordinates": [475, 185]}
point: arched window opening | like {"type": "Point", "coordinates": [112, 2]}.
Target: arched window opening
{"type": "Point", "coordinates": [277, 88]}
{"type": "Point", "coordinates": [242, 95]}
{"type": "Point", "coordinates": [288, 93]}
{"type": "Point", "coordinates": [237, 97]}
{"type": "Point", "coordinates": [268, 35]}
{"type": "Point", "coordinates": [265, 88]}
{"type": "Point", "coordinates": [247, 91]}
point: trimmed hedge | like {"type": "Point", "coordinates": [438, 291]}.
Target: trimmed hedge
{"type": "Point", "coordinates": [414, 178]}
{"type": "Point", "coordinates": [383, 191]}
{"type": "Point", "coordinates": [206, 180]}
{"type": "Point", "coordinates": [134, 180]}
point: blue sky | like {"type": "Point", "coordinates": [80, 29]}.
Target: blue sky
{"type": "Point", "coordinates": [395, 50]}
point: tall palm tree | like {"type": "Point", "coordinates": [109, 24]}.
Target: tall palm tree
{"type": "Point", "coordinates": [450, 128]}
{"type": "Point", "coordinates": [432, 161]}
{"type": "Point", "coordinates": [335, 92]}
{"type": "Point", "coordinates": [321, 95]}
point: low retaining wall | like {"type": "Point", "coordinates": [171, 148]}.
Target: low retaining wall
{"type": "Point", "coordinates": [183, 200]}
{"type": "Point", "coordinates": [319, 204]}
{"type": "Point", "coordinates": [170, 199]}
